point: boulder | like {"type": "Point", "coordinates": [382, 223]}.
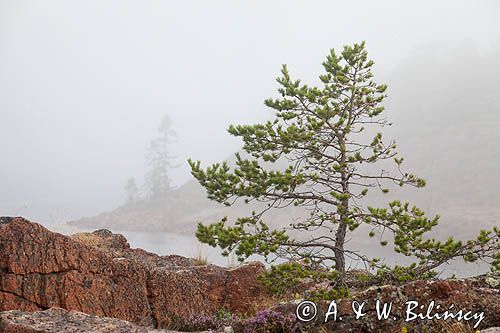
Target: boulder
{"type": "Point", "coordinates": [99, 274]}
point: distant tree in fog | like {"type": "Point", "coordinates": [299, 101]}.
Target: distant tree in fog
{"type": "Point", "coordinates": [158, 183]}
{"type": "Point", "coordinates": [132, 191]}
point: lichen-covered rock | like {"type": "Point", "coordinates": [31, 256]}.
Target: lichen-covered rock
{"type": "Point", "coordinates": [56, 320]}
{"type": "Point", "coordinates": [103, 239]}
{"type": "Point", "coordinates": [99, 274]}
{"type": "Point", "coordinates": [472, 294]}
{"type": "Point", "coordinates": [40, 269]}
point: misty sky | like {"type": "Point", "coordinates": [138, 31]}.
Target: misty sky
{"type": "Point", "coordinates": [84, 84]}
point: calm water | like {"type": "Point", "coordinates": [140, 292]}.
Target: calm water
{"type": "Point", "coordinates": [165, 243]}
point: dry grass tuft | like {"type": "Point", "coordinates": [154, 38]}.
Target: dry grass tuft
{"type": "Point", "coordinates": [200, 259]}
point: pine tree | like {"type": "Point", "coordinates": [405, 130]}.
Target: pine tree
{"type": "Point", "coordinates": [132, 191]}
{"type": "Point", "coordinates": [336, 157]}
{"type": "Point", "coordinates": [158, 183]}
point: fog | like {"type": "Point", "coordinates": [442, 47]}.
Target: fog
{"type": "Point", "coordinates": [84, 85]}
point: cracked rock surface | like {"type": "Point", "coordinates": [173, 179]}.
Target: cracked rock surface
{"type": "Point", "coordinates": [99, 274]}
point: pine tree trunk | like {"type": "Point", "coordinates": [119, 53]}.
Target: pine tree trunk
{"type": "Point", "coordinates": [339, 247]}
{"type": "Point", "coordinates": [343, 210]}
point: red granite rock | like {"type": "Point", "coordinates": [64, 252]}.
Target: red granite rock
{"type": "Point", "coordinates": [40, 269]}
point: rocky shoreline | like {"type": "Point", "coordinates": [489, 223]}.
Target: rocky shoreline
{"type": "Point", "coordinates": [43, 269]}
{"type": "Point", "coordinates": [94, 282]}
